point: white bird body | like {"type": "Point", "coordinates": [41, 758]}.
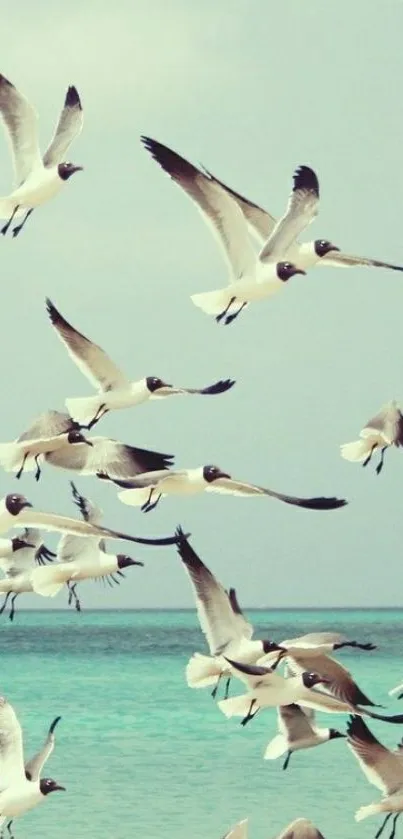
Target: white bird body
{"type": "Point", "coordinates": [92, 565]}
{"type": "Point", "coordinates": [382, 768]}
{"type": "Point", "coordinates": [297, 730]}
{"type": "Point", "coordinates": [18, 799]}
{"type": "Point", "coordinates": [13, 454]}
{"type": "Point", "coordinates": [385, 429]}
{"type": "Point", "coordinates": [41, 185]}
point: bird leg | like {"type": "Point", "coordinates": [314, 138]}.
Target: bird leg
{"type": "Point", "coordinates": [18, 228]}
{"type": "Point", "coordinates": [38, 468]}
{"type": "Point", "coordinates": [395, 818]}
{"type": "Point", "coordinates": [102, 410]}
{"type": "Point", "coordinates": [74, 596]}
{"type": "Point", "coordinates": [147, 506]}
{"type": "Point", "coordinates": [12, 610]}
{"type": "Point", "coordinates": [222, 315]}
{"type": "Point", "coordinates": [249, 715]}
{"type": "Point", "coordinates": [21, 469]}
{"type": "Point", "coordinates": [8, 827]}
{"type": "Point", "coordinates": [4, 604]}
{"type": "Point", "coordinates": [6, 226]}
{"type": "Point", "coordinates": [383, 825]}
{"type": "Point", "coordinates": [215, 688]}
{"type": "Point", "coordinates": [380, 464]}
{"type": "Point", "coordinates": [230, 318]}
{"type": "Point", "coordinates": [367, 459]}
{"type": "Point", "coordinates": [227, 684]}
{"type": "Point", "coordinates": [287, 760]}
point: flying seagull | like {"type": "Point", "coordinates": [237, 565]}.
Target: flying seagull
{"type": "Point", "coordinates": [54, 435]}
{"type": "Point", "coordinates": [297, 730]}
{"type": "Point", "coordinates": [81, 558]}
{"type": "Point", "coordinates": [225, 630]}
{"type": "Point", "coordinates": [269, 689]}
{"type": "Point", "coordinates": [252, 276]}
{"type": "Point", "coordinates": [146, 490]}
{"type": "Point", "coordinates": [382, 767]}
{"type": "Point", "coordinates": [16, 511]}
{"type": "Point", "coordinates": [18, 793]}
{"type": "Point", "coordinates": [37, 179]}
{"type": "Point", "coordinates": [383, 430]}
{"type": "Point", "coordinates": [115, 390]}
{"type": "Point", "coordinates": [307, 255]}
{"type": "Point", "coordinates": [25, 552]}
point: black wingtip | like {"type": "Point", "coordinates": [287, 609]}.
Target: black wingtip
{"type": "Point", "coordinates": [72, 98]}
{"type": "Point", "coordinates": [322, 503]}
{"type": "Point", "coordinates": [170, 161]}
{"type": "Point", "coordinates": [53, 313]}
{"type": "Point", "coordinates": [218, 387]}
{"type": "Point", "coordinates": [305, 178]}
{"type": "Point", "coordinates": [54, 724]}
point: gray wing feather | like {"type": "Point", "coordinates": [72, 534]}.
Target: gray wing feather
{"type": "Point", "coordinates": [20, 120]}
{"type": "Point", "coordinates": [68, 128]}
{"type": "Point", "coordinates": [48, 424]}
{"type": "Point", "coordinates": [301, 210]}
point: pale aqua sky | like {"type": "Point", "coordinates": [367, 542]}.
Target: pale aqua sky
{"type": "Point", "coordinates": [251, 90]}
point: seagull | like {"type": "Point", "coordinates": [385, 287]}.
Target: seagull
{"type": "Point", "coordinates": [398, 689]}
{"type": "Point", "coordinates": [383, 430]}
{"type": "Point", "coordinates": [18, 794]}
{"type": "Point", "coordinates": [225, 629]}
{"type": "Point", "coordinates": [15, 511]}
{"type": "Point", "coordinates": [252, 276]}
{"type": "Point", "coordinates": [146, 490]}
{"type": "Point", "coordinates": [54, 435]}
{"type": "Point", "coordinates": [37, 179]}
{"type": "Point", "coordinates": [269, 689]}
{"type": "Point", "coordinates": [316, 643]}
{"type": "Point", "coordinates": [34, 766]}
{"type": "Point", "coordinates": [114, 389]}
{"type": "Point", "coordinates": [81, 558]}
{"type": "Point", "coordinates": [339, 680]}
{"type": "Point", "coordinates": [382, 767]}
{"type": "Point", "coordinates": [298, 829]}
{"type": "Point", "coordinates": [239, 831]}
{"type": "Point", "coordinates": [297, 730]}
{"type": "Point", "coordinates": [18, 564]}
{"type": "Point", "coordinates": [307, 255]}
{"type": "Point", "coordinates": [50, 432]}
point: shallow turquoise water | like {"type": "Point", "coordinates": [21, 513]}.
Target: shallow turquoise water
{"type": "Point", "coordinates": [143, 755]}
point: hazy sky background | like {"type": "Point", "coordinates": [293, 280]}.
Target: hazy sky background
{"type": "Point", "coordinates": [252, 90]}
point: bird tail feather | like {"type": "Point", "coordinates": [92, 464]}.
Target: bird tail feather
{"type": "Point", "coordinates": [356, 451]}
{"type": "Point", "coordinates": [235, 706]}
{"type": "Point", "coordinates": [49, 581]}
{"type": "Point", "coordinates": [11, 458]}
{"type": "Point", "coordinates": [85, 408]}
{"type": "Point", "coordinates": [134, 497]}
{"type": "Point", "coordinates": [7, 206]}
{"type": "Point", "coordinates": [276, 747]}
{"type": "Point", "coordinates": [367, 810]}
{"type": "Point", "coordinates": [212, 302]}
{"type": "Point", "coordinates": [202, 671]}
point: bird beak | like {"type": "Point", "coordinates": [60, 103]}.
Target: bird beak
{"type": "Point", "coordinates": [324, 681]}
{"type": "Point", "coordinates": [88, 442]}
{"type": "Point", "coordinates": [136, 562]}
{"type": "Point", "coordinates": [26, 504]}
{"type": "Point", "coordinates": [58, 787]}
{"type": "Point", "coordinates": [77, 169]}
{"type": "Point", "coordinates": [224, 475]}
{"type": "Point", "coordinates": [334, 248]}
{"type": "Point", "coordinates": [300, 271]}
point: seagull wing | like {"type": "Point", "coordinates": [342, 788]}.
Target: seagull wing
{"type": "Point", "coordinates": [20, 120]}
{"type": "Point", "coordinates": [68, 128]}
{"type": "Point", "coordinates": [314, 639]}
{"type": "Point", "coordinates": [228, 486]}
{"type": "Point", "coordinates": [77, 548]}
{"type": "Point", "coordinates": [240, 831]}
{"type": "Point", "coordinates": [301, 210]}
{"type": "Point", "coordinates": [295, 723]}
{"type": "Point", "coordinates": [211, 390]}
{"type": "Point", "coordinates": [214, 610]}
{"type": "Point", "coordinates": [260, 221]}
{"type": "Point", "coordinates": [337, 259]}
{"type": "Point", "coordinates": [116, 459]}
{"type": "Point", "coordinates": [89, 511]}
{"type": "Point", "coordinates": [301, 829]}
{"type": "Point", "coordinates": [11, 750]}
{"type": "Point", "coordinates": [93, 362]}
{"type": "Point", "coordinates": [216, 205]}
{"type": "Point", "coordinates": [388, 422]}
{"type": "Point", "coordinates": [340, 682]}
{"type": "Point", "coordinates": [64, 524]}
{"type": "Point", "coordinates": [47, 425]}
{"type": "Point", "coordinates": [383, 768]}
{"type": "Point", "coordinates": [34, 766]}
{"type": "Point", "coordinates": [245, 627]}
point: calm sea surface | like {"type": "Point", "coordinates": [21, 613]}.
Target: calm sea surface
{"type": "Point", "coordinates": [142, 755]}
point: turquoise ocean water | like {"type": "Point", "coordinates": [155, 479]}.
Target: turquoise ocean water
{"type": "Point", "coordinates": [142, 755]}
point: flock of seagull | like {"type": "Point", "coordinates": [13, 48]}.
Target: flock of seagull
{"type": "Point", "coordinates": [312, 680]}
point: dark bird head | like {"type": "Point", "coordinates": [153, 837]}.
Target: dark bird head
{"type": "Point", "coordinates": [272, 647]}
{"type": "Point", "coordinates": [124, 561]}
{"type": "Point", "coordinates": [322, 247]}
{"type": "Point", "coordinates": [154, 383]}
{"type": "Point", "coordinates": [312, 679]}
{"type": "Point", "coordinates": [19, 544]}
{"type": "Point", "coordinates": [285, 270]}
{"type": "Point", "coordinates": [47, 785]}
{"type": "Point", "coordinates": [16, 503]}
{"type": "Point", "coordinates": [75, 436]}
{"type": "Point", "coordinates": [66, 170]}
{"type": "Point", "coordinates": [212, 473]}
{"type": "Point", "coordinates": [334, 734]}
